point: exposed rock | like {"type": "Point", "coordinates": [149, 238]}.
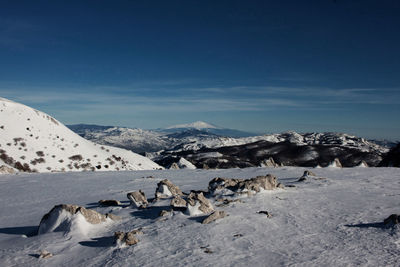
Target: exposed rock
{"type": "Point", "coordinates": [207, 250]}
{"type": "Point", "coordinates": [6, 170]}
{"type": "Point", "coordinates": [197, 204]}
{"type": "Point", "coordinates": [178, 202]}
{"type": "Point", "coordinates": [267, 182]}
{"type": "Point", "coordinates": [214, 216]}
{"type": "Point", "coordinates": [44, 254]}
{"type": "Point", "coordinates": [270, 162]}
{"type": "Point", "coordinates": [60, 213]}
{"type": "Point", "coordinates": [219, 183]}
{"type": "Point", "coordinates": [174, 166]}
{"type": "Point", "coordinates": [336, 163]}
{"type": "Point", "coordinates": [280, 185]}
{"type": "Point", "coordinates": [138, 199]}
{"type": "Point", "coordinates": [166, 189]}
{"type": "Point", "coordinates": [226, 202]}
{"type": "Point", "coordinates": [113, 217]}
{"type": "Point", "coordinates": [109, 202]}
{"type": "Point", "coordinates": [363, 164]}
{"type": "Point", "coordinates": [306, 174]}
{"type": "Point", "coordinates": [392, 219]}
{"type": "Point", "coordinates": [126, 238]}
{"type": "Point", "coordinates": [164, 213]}
{"type": "Point", "coordinates": [392, 158]}
{"type": "Point", "coordinates": [265, 212]}
{"type": "Point", "coordinates": [205, 166]}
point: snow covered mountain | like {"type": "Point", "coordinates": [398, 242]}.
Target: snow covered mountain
{"type": "Point", "coordinates": [198, 125]}
{"type": "Point", "coordinates": [201, 147]}
{"type": "Point", "coordinates": [33, 141]}
{"type": "Point", "coordinates": [206, 128]}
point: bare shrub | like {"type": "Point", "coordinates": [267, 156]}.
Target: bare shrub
{"type": "Point", "coordinates": [76, 157]}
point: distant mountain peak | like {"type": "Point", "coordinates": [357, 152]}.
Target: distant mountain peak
{"type": "Point", "coordinates": [195, 125]}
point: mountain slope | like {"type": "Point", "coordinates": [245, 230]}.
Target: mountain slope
{"type": "Point", "coordinates": [32, 141]}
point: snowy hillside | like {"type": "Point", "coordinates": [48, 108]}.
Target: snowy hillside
{"type": "Point", "coordinates": [334, 218]}
{"type": "Point", "coordinates": [32, 141]}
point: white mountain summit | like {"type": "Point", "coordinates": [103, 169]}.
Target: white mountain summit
{"type": "Point", "coordinates": [198, 125]}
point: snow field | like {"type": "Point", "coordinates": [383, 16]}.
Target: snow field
{"type": "Point", "coordinates": [334, 219]}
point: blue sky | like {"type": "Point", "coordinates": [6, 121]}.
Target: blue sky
{"type": "Point", "coordinates": [260, 66]}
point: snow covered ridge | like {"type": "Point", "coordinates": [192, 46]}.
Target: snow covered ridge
{"type": "Point", "coordinates": [32, 141]}
{"type": "Point", "coordinates": [156, 143]}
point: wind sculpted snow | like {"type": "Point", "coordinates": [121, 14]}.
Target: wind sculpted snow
{"type": "Point", "coordinates": [334, 218]}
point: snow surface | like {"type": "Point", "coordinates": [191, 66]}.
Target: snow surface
{"type": "Point", "coordinates": [44, 144]}
{"type": "Point", "coordinates": [332, 220]}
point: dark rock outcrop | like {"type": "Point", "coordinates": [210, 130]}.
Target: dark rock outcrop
{"type": "Point", "coordinates": [137, 199]}
{"type": "Point", "coordinates": [109, 202]}
{"type": "Point", "coordinates": [392, 219]}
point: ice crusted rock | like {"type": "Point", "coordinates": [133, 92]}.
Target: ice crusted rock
{"type": "Point", "coordinates": [306, 174]}
{"type": "Point", "coordinates": [198, 204]}
{"type": "Point", "coordinates": [166, 189]}
{"type": "Point", "coordinates": [126, 238]}
{"type": "Point", "coordinates": [178, 202]}
{"type": "Point", "coordinates": [138, 199]}
{"type": "Point", "coordinates": [6, 170]}
{"type": "Point", "coordinates": [214, 216]}
{"type": "Point", "coordinates": [336, 163]}
{"type": "Point", "coordinates": [268, 182]}
{"type": "Point", "coordinates": [392, 219]}
{"type": "Point", "coordinates": [164, 213]}
{"type": "Point", "coordinates": [174, 166]}
{"type": "Point", "coordinates": [44, 254]}
{"type": "Point", "coordinates": [60, 217]}
{"type": "Point", "coordinates": [109, 202]}
{"type": "Point", "coordinates": [270, 162]}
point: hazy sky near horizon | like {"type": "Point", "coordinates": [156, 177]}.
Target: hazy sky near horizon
{"type": "Point", "coordinates": [259, 66]}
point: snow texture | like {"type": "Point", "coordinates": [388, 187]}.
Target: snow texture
{"type": "Point", "coordinates": [333, 219]}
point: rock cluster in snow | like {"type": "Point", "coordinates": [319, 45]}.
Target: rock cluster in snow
{"type": "Point", "coordinates": [62, 216]}
{"type": "Point", "coordinates": [68, 218]}
{"type": "Point", "coordinates": [126, 238]}
{"type": "Point", "coordinates": [253, 185]}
